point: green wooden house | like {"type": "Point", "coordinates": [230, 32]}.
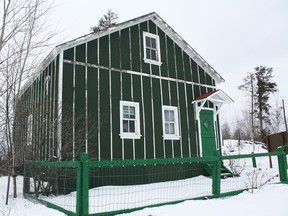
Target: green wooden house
{"type": "Point", "coordinates": [133, 91]}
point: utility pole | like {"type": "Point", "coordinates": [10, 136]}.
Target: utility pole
{"type": "Point", "coordinates": [283, 107]}
{"type": "Point", "coordinates": [252, 113]}
{"type": "Point", "coordinates": [252, 122]}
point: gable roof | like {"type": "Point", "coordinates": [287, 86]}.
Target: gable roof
{"type": "Point", "coordinates": [151, 16]}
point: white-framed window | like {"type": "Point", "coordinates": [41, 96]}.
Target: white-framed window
{"type": "Point", "coordinates": [151, 48]}
{"type": "Point", "coordinates": [170, 122]}
{"type": "Point", "coordinates": [129, 120]}
{"type": "Point", "coordinates": [29, 130]}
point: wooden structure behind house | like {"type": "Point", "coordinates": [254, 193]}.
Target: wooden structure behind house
{"type": "Point", "coordinates": [134, 91]}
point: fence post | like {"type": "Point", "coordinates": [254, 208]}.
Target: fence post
{"type": "Point", "coordinates": [253, 160]}
{"type": "Point", "coordinates": [82, 186]}
{"type": "Point", "coordinates": [85, 182]}
{"type": "Point", "coordinates": [216, 177]}
{"type": "Point", "coordinates": [282, 163]}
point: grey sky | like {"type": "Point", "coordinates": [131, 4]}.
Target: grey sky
{"type": "Point", "coordinates": [233, 36]}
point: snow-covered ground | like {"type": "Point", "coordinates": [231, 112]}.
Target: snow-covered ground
{"type": "Point", "coordinates": [270, 199]}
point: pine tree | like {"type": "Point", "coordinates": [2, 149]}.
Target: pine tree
{"type": "Point", "coordinates": [259, 84]}
{"type": "Point", "coordinates": [106, 21]}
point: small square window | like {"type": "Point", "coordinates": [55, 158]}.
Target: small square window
{"type": "Point", "coordinates": [151, 48]}
{"type": "Point", "coordinates": [170, 122]}
{"type": "Point", "coordinates": [129, 120]}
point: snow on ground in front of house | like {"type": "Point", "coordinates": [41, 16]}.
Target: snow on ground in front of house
{"type": "Point", "coordinates": [271, 199]}
{"type": "Point", "coordinates": [21, 206]}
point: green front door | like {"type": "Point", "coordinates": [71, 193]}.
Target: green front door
{"type": "Point", "coordinates": [207, 132]}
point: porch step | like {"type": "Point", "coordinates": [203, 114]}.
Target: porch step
{"type": "Point", "coordinates": [225, 173]}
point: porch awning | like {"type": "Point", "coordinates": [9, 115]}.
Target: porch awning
{"type": "Point", "coordinates": [217, 97]}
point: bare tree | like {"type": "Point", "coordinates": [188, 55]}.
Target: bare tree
{"type": "Point", "coordinates": [276, 117]}
{"type": "Point", "coordinates": [23, 35]}
{"type": "Point", "coordinates": [226, 131]}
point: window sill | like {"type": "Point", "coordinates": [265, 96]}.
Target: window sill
{"type": "Point", "coordinates": [130, 136]}
{"type": "Point", "coordinates": [165, 137]}
{"type": "Point", "coordinates": [149, 61]}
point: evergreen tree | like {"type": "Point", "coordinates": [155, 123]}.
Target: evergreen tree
{"type": "Point", "coordinates": [259, 84]}
{"type": "Point", "coordinates": [106, 21]}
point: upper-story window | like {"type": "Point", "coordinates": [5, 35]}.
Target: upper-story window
{"type": "Point", "coordinates": [129, 120]}
{"type": "Point", "coordinates": [151, 48]}
{"type": "Point", "coordinates": [170, 122]}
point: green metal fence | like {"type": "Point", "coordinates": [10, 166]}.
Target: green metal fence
{"type": "Point", "coordinates": [112, 187]}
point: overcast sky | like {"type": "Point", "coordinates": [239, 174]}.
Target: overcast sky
{"type": "Point", "coordinates": [233, 36]}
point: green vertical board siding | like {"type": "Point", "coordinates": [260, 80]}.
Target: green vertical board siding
{"type": "Point", "coordinates": [125, 50]}
{"type": "Point", "coordinates": [191, 120]}
{"type": "Point", "coordinates": [213, 82]}
{"type": "Point", "coordinates": [196, 90]}
{"type": "Point", "coordinates": [157, 118]}
{"type": "Point", "coordinates": [36, 107]}
{"type": "Point", "coordinates": [128, 149]}
{"type": "Point", "coordinates": [48, 110]}
{"type": "Point", "coordinates": [92, 97]}
{"type": "Point", "coordinates": [171, 58]}
{"type": "Point", "coordinates": [92, 52]}
{"type": "Point", "coordinates": [80, 89]}
{"type": "Point", "coordinates": [135, 48]}
{"type": "Point", "coordinates": [41, 151]}
{"type": "Point", "coordinates": [202, 90]}
{"type": "Point", "coordinates": [42, 126]}
{"type": "Point", "coordinates": [148, 117]}
{"type": "Point", "coordinates": [56, 110]}
{"type": "Point", "coordinates": [195, 77]}
{"type": "Point", "coordinates": [51, 106]}
{"type": "Point", "coordinates": [207, 132]}
{"type": "Point", "coordinates": [179, 62]}
{"type": "Point", "coordinates": [152, 27]}
{"type": "Point", "coordinates": [165, 92]}
{"type": "Point", "coordinates": [208, 79]}
{"type": "Point", "coordinates": [115, 49]}
{"type": "Point", "coordinates": [202, 75]}
{"type": "Point", "coordinates": [80, 111]}
{"type": "Point", "coordinates": [163, 53]}
{"type": "Point", "coordinates": [183, 119]}
{"type": "Point", "coordinates": [69, 54]}
{"type": "Point", "coordinates": [173, 92]}
{"type": "Point", "coordinates": [155, 70]}
{"type": "Point", "coordinates": [188, 72]}
{"type": "Point", "coordinates": [67, 104]}
{"type": "Point", "coordinates": [45, 112]}
{"type": "Point", "coordinates": [104, 51]}
{"type": "Point", "coordinates": [105, 148]}
{"type": "Point", "coordinates": [81, 53]}
{"type": "Point", "coordinates": [116, 96]}
{"type": "Point", "coordinates": [139, 153]}
{"type": "Point", "coordinates": [126, 86]}
{"type": "Point", "coordinates": [145, 66]}
{"type": "Point", "coordinates": [168, 148]}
